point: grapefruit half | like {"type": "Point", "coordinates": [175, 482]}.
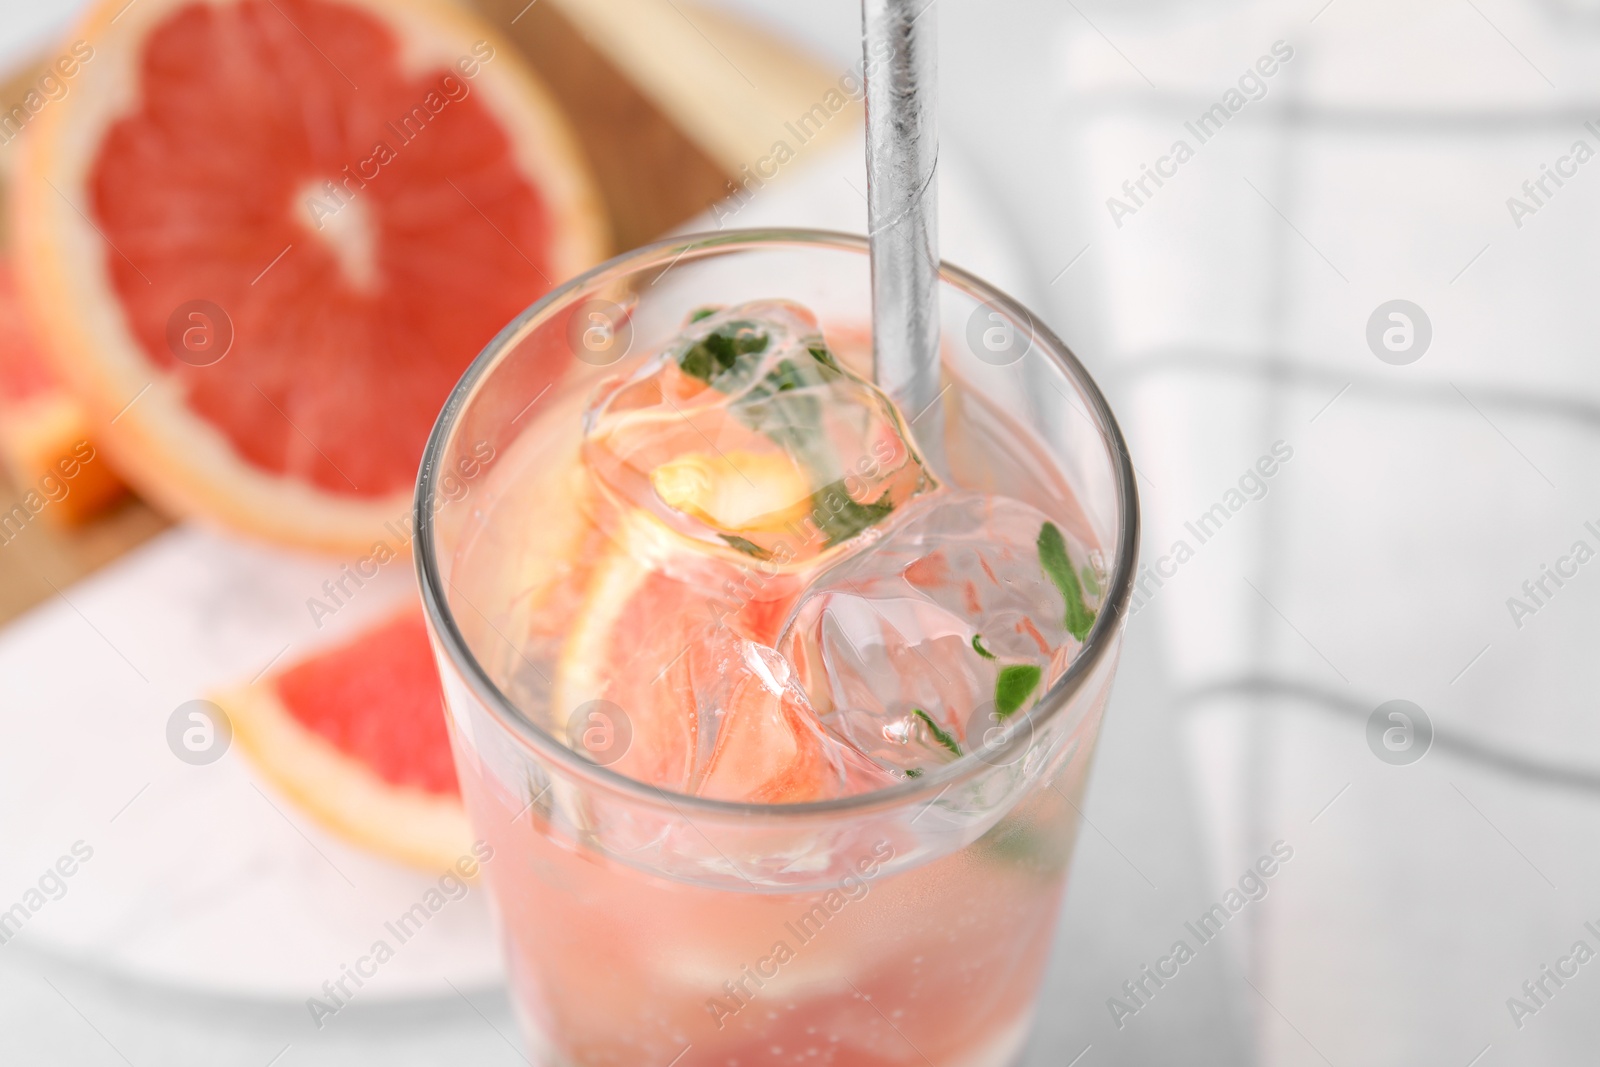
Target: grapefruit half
{"type": "Point", "coordinates": [355, 736]}
{"type": "Point", "coordinates": [263, 238]}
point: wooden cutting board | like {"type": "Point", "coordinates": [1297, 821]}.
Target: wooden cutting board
{"type": "Point", "coordinates": [668, 100]}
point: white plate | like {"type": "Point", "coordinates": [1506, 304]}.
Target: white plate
{"type": "Point", "coordinates": [200, 875]}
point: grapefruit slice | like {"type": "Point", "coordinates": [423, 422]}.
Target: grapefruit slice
{"type": "Point", "coordinates": [263, 238]}
{"type": "Point", "coordinates": [355, 735]}
{"type": "Point", "coordinates": [710, 708]}
{"type": "Point", "coordinates": [44, 431]}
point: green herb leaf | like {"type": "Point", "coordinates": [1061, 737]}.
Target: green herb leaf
{"type": "Point", "coordinates": [913, 772]}
{"type": "Point", "coordinates": [938, 735]}
{"type": "Point", "coordinates": [787, 406]}
{"type": "Point", "coordinates": [714, 355]}
{"type": "Point", "coordinates": [702, 313]}
{"type": "Point", "coordinates": [1058, 567]}
{"type": "Point", "coordinates": [977, 646]}
{"type": "Point", "coordinates": [1025, 846]}
{"type": "Point", "coordinates": [1090, 582]}
{"type": "Point", "coordinates": [1014, 685]}
{"type": "Point", "coordinates": [821, 353]}
{"type": "Point", "coordinates": [841, 518]}
{"type": "Point", "coordinates": [749, 548]}
{"type": "Point", "coordinates": [785, 376]}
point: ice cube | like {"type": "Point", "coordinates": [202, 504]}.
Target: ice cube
{"type": "Point", "coordinates": [768, 746]}
{"type": "Point", "coordinates": [960, 617]}
{"type": "Point", "coordinates": [748, 435]}
{"type": "Point", "coordinates": [726, 720]}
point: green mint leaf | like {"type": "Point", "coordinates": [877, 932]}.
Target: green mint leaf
{"type": "Point", "coordinates": [841, 518]}
{"type": "Point", "coordinates": [821, 353]}
{"type": "Point", "coordinates": [786, 377]}
{"type": "Point", "coordinates": [938, 735]}
{"type": "Point", "coordinates": [749, 548]}
{"type": "Point", "coordinates": [702, 313]}
{"type": "Point", "coordinates": [1058, 567]}
{"type": "Point", "coordinates": [1020, 844]}
{"type": "Point", "coordinates": [977, 646]}
{"type": "Point", "coordinates": [913, 772]}
{"type": "Point", "coordinates": [1014, 685]}
{"type": "Point", "coordinates": [787, 406]}
{"type": "Point", "coordinates": [714, 355]}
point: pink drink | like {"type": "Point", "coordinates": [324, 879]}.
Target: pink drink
{"type": "Point", "coordinates": [614, 966]}
{"type": "Point", "coordinates": [777, 732]}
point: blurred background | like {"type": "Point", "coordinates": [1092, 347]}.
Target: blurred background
{"type": "Point", "coordinates": [1368, 268]}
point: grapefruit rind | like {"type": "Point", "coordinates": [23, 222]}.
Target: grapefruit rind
{"type": "Point", "coordinates": [176, 458]}
{"type": "Point", "coordinates": [427, 830]}
{"type": "Point", "coordinates": [585, 664]}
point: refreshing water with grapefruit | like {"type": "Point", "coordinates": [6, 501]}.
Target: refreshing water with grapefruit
{"type": "Point", "coordinates": [778, 732]}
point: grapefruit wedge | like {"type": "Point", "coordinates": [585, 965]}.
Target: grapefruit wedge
{"type": "Point", "coordinates": [355, 735]}
{"type": "Point", "coordinates": [709, 708]}
{"type": "Point", "coordinates": [263, 238]}
{"type": "Point", "coordinates": [44, 432]}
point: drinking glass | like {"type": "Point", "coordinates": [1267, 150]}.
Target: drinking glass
{"type": "Point", "coordinates": [640, 926]}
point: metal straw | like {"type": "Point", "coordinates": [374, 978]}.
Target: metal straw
{"type": "Point", "coordinates": [902, 198]}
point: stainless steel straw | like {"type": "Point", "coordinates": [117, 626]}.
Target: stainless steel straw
{"type": "Point", "coordinates": [902, 198]}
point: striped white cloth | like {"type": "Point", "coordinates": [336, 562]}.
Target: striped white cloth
{"type": "Point", "coordinates": [1430, 528]}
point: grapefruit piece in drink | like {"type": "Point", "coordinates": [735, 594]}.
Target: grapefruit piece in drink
{"type": "Point", "coordinates": [263, 239]}
{"type": "Point", "coordinates": [685, 660]}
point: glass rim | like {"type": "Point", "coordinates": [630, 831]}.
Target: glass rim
{"type": "Point", "coordinates": [672, 250]}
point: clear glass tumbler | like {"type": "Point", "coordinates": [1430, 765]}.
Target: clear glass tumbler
{"type": "Point", "coordinates": [908, 925]}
